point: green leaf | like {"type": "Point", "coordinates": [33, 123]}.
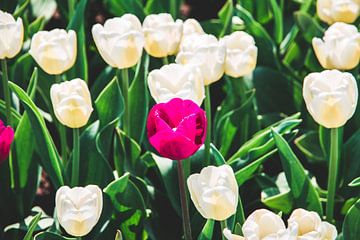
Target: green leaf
{"type": "Point", "coordinates": [121, 7]}
{"type": "Point", "coordinates": [226, 13]}
{"type": "Point", "coordinates": [280, 202]}
{"type": "Point", "coordinates": [32, 227]}
{"type": "Point", "coordinates": [308, 26]}
{"type": "Point", "coordinates": [355, 182]}
{"type": "Point", "coordinates": [350, 166]}
{"type": "Point", "coordinates": [207, 231]}
{"type": "Point", "coordinates": [50, 236]}
{"type": "Point", "coordinates": [351, 230]}
{"type": "Point", "coordinates": [278, 21]}
{"type": "Point", "coordinates": [309, 144]}
{"type": "Point", "coordinates": [20, 9]}
{"type": "Point", "coordinates": [36, 26]}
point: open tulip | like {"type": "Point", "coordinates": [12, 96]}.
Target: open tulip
{"type": "Point", "coordinates": [6, 138]}
{"type": "Point", "coordinates": [205, 52]}
{"type": "Point", "coordinates": [120, 41]}
{"type": "Point", "coordinates": [162, 34]}
{"type": "Point", "coordinates": [176, 129]}
{"type": "Point", "coordinates": [241, 54]}
{"type": "Point", "coordinates": [339, 48]}
{"type": "Point", "coordinates": [78, 209]}
{"type": "Point", "coordinates": [11, 35]}
{"type": "Point", "coordinates": [331, 11]}
{"type": "Point", "coordinates": [331, 97]}
{"type": "Point", "coordinates": [214, 192]}
{"type": "Point", "coordinates": [176, 81]}
{"type": "Point", "coordinates": [71, 102]}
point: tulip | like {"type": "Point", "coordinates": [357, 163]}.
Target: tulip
{"type": "Point", "coordinates": [241, 54]}
{"type": "Point", "coordinates": [162, 34]}
{"type": "Point", "coordinates": [229, 236]}
{"type": "Point", "coordinates": [78, 209]}
{"type": "Point", "coordinates": [331, 11]}
{"type": "Point", "coordinates": [331, 97]}
{"type": "Point", "coordinates": [11, 35]}
{"type": "Point", "coordinates": [339, 48]}
{"type": "Point", "coordinates": [6, 138]}
{"type": "Point", "coordinates": [176, 81]}
{"type": "Point", "coordinates": [55, 50]}
{"type": "Point", "coordinates": [214, 192]}
{"type": "Point", "coordinates": [176, 129]}
{"type": "Point", "coordinates": [71, 102]}
{"type": "Point", "coordinates": [120, 41]}
{"type": "Point", "coordinates": [192, 26]}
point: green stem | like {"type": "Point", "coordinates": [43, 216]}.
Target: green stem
{"type": "Point", "coordinates": [76, 158]}
{"type": "Point", "coordinates": [125, 92]}
{"type": "Point", "coordinates": [165, 60]}
{"type": "Point", "coordinates": [173, 8]}
{"type": "Point", "coordinates": [62, 131]}
{"type": "Point", "coordinates": [183, 200]}
{"type": "Point", "coordinates": [71, 7]}
{"type": "Point", "coordinates": [58, 78]}
{"type": "Point", "coordinates": [243, 98]}
{"type": "Point", "coordinates": [333, 169]}
{"type": "Point", "coordinates": [240, 211]}
{"type": "Point", "coordinates": [208, 131]}
{"type": "Point", "coordinates": [223, 226]}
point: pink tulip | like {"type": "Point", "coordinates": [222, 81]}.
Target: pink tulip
{"type": "Point", "coordinates": [176, 129]}
{"type": "Point", "coordinates": [6, 138]}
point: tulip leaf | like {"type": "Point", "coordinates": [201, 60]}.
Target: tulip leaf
{"type": "Point", "coordinates": [350, 166]}
{"type": "Point", "coordinates": [50, 236]}
{"type": "Point", "coordinates": [207, 231]}
{"type": "Point", "coordinates": [280, 202]}
{"type": "Point", "coordinates": [15, 115]}
{"type": "Point", "coordinates": [308, 26]}
{"type": "Point", "coordinates": [355, 182]}
{"type": "Point", "coordinates": [32, 227]}
{"type": "Point", "coordinates": [309, 144]}
{"type": "Point", "coordinates": [351, 224]}
{"type": "Point", "coordinates": [226, 13]}
{"type": "Point", "coordinates": [278, 21]}
{"type": "Point", "coordinates": [121, 7]}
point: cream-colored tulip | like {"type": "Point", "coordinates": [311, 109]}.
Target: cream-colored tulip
{"type": "Point", "coordinates": [229, 236]}
{"type": "Point", "coordinates": [11, 35]}
{"type": "Point", "coordinates": [331, 11]}
{"type": "Point", "coordinates": [241, 54]}
{"type": "Point", "coordinates": [176, 81]}
{"type": "Point", "coordinates": [78, 209]}
{"type": "Point", "coordinates": [120, 41]}
{"type": "Point", "coordinates": [205, 52]}
{"type": "Point", "coordinates": [339, 48]}
{"type": "Point", "coordinates": [55, 50]}
{"type": "Point", "coordinates": [162, 34]}
{"type": "Point", "coordinates": [71, 102]}
{"type": "Point", "coordinates": [192, 26]}
{"type": "Point", "coordinates": [214, 192]}
{"type": "Point", "coordinates": [331, 97]}
{"type": "Point", "coordinates": [263, 224]}
{"type": "Point", "coordinates": [310, 226]}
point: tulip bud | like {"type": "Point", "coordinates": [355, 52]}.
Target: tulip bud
{"type": "Point", "coordinates": [6, 138]}
{"type": "Point", "coordinates": [331, 11]}
{"type": "Point", "coordinates": [120, 41]}
{"type": "Point", "coordinates": [55, 50]}
{"type": "Point", "coordinates": [331, 97]}
{"type": "Point", "coordinates": [229, 236]}
{"type": "Point", "coordinates": [162, 34]}
{"type": "Point", "coordinates": [176, 81]}
{"type": "Point", "coordinates": [192, 26]}
{"type": "Point", "coordinates": [241, 54]}
{"type": "Point", "coordinates": [71, 102]}
{"type": "Point", "coordinates": [339, 48]}
{"type": "Point", "coordinates": [214, 192]}
{"type": "Point", "coordinates": [78, 209]}
{"type": "Point", "coordinates": [11, 35]}
{"type": "Point", "coordinates": [205, 52]}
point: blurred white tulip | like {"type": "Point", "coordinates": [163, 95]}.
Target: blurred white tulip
{"type": "Point", "coordinates": [11, 35]}
{"type": "Point", "coordinates": [331, 11]}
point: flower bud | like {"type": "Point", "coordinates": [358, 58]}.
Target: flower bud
{"type": "Point", "coordinates": [214, 192]}
{"type": "Point", "coordinates": [331, 97]}
{"type": "Point", "coordinates": [71, 102]}
{"type": "Point", "coordinates": [6, 138]}
{"type": "Point", "coordinates": [120, 41]}
{"type": "Point", "coordinates": [11, 35]}
{"type": "Point", "coordinates": [229, 236]}
{"type": "Point", "coordinates": [55, 50]}
{"type": "Point", "coordinates": [331, 11]}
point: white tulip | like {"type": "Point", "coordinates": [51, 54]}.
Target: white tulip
{"type": "Point", "coordinates": [78, 209]}
{"type": "Point", "coordinates": [229, 236]}
{"type": "Point", "coordinates": [192, 26]}
{"type": "Point", "coordinates": [339, 48]}
{"type": "Point", "coordinates": [331, 11]}
{"type": "Point", "coordinates": [176, 81]}
{"type": "Point", "coordinates": [162, 34]}
{"type": "Point", "coordinates": [241, 54]}
{"type": "Point", "coordinates": [205, 52]}
{"type": "Point", "coordinates": [71, 102]}
{"type": "Point", "coordinates": [120, 41]}
{"type": "Point", "coordinates": [11, 35]}
{"type": "Point", "coordinates": [331, 97]}
{"type": "Point", "coordinates": [55, 50]}
{"type": "Point", "coordinates": [214, 192]}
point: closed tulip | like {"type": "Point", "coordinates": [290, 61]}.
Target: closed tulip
{"type": "Point", "coordinates": [331, 11]}
{"type": "Point", "coordinates": [55, 50]}
{"type": "Point", "coordinates": [6, 138]}
{"type": "Point", "coordinates": [11, 35]}
{"type": "Point", "coordinates": [192, 26]}
{"type": "Point", "coordinates": [162, 34]}
{"type": "Point", "coordinates": [205, 52]}
{"type": "Point", "coordinates": [230, 236]}
{"type": "Point", "coordinates": [241, 54]}
{"type": "Point", "coordinates": [339, 48]}
{"type": "Point", "coordinates": [176, 81]}
{"type": "Point", "coordinates": [71, 102]}
{"type": "Point", "coordinates": [331, 97]}
{"type": "Point", "coordinates": [120, 41]}
{"type": "Point", "coordinates": [214, 192]}
{"type": "Point", "coordinates": [78, 209]}
{"type": "Point", "coordinates": [176, 129]}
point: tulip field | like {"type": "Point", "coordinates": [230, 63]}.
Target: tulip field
{"type": "Point", "coordinates": [179, 119]}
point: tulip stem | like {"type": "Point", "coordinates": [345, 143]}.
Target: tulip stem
{"type": "Point", "coordinates": [333, 169]}
{"type": "Point", "coordinates": [223, 226]}
{"type": "Point", "coordinates": [76, 158]}
{"type": "Point", "coordinates": [165, 60]}
{"type": "Point", "coordinates": [208, 130]}
{"type": "Point", "coordinates": [62, 130]}
{"type": "Point", "coordinates": [125, 92]}
{"type": "Point", "coordinates": [184, 204]}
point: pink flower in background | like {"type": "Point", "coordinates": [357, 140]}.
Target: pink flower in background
{"type": "Point", "coordinates": [6, 138]}
{"type": "Point", "coordinates": [176, 129]}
